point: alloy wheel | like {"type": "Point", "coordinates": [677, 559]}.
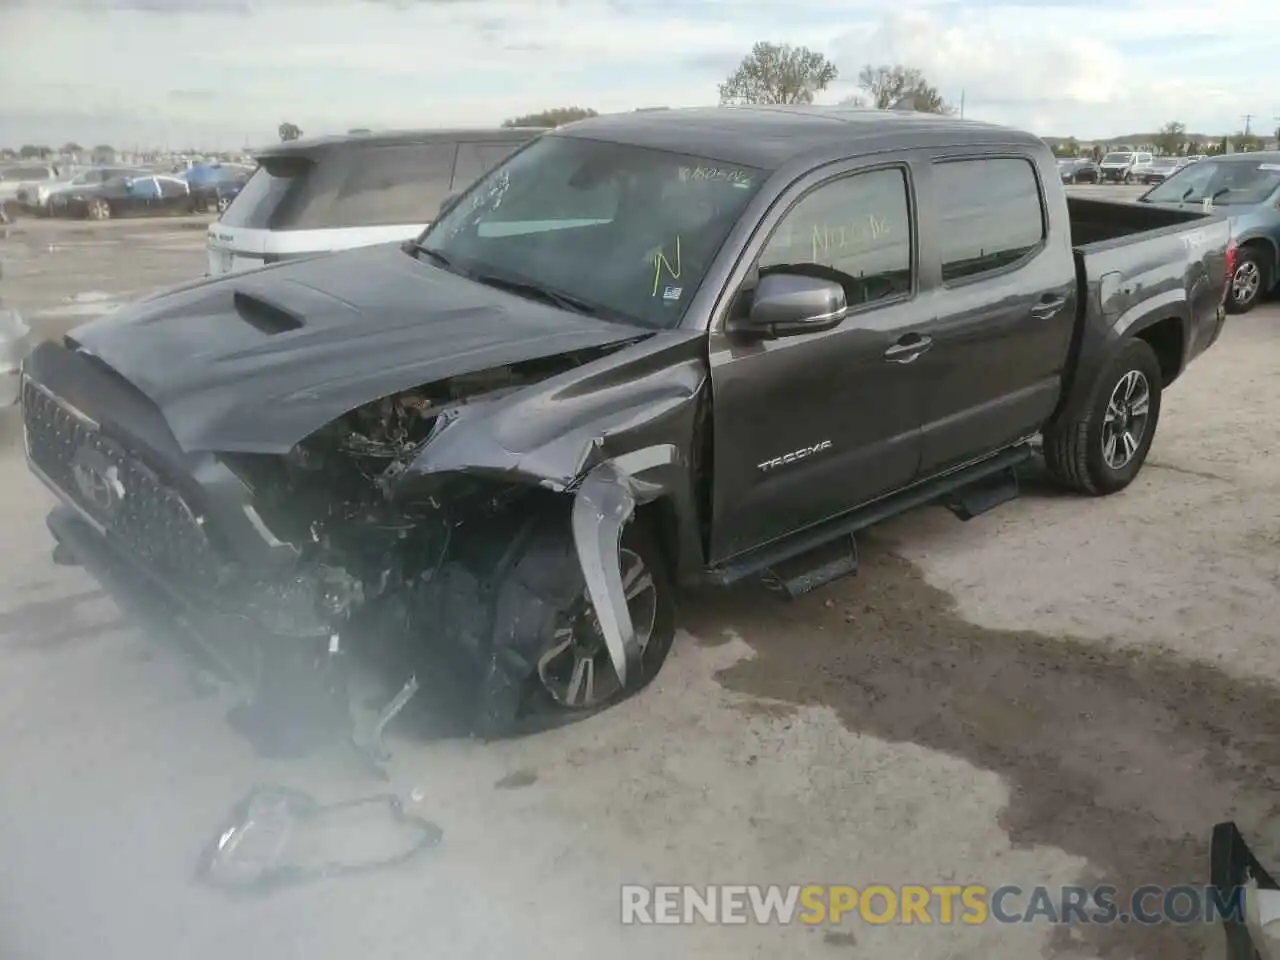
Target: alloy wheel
{"type": "Point", "coordinates": [1245, 283]}
{"type": "Point", "coordinates": [1125, 422]}
{"type": "Point", "coordinates": [576, 671]}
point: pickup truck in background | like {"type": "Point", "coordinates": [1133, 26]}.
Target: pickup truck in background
{"type": "Point", "coordinates": [676, 347]}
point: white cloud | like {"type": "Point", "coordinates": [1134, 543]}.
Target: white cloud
{"type": "Point", "coordinates": [1086, 68]}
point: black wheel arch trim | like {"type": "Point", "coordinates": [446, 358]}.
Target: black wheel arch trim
{"type": "Point", "coordinates": [1092, 363]}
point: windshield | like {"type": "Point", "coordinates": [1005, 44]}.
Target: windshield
{"type": "Point", "coordinates": [1226, 182]}
{"type": "Point", "coordinates": [626, 231]}
{"type": "Point", "coordinates": [1116, 158]}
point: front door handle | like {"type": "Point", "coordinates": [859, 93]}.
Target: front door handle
{"type": "Point", "coordinates": [908, 348]}
{"type": "Point", "coordinates": [1048, 306]}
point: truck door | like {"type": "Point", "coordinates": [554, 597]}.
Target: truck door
{"type": "Point", "coordinates": [807, 427]}
{"type": "Point", "coordinates": [1002, 282]}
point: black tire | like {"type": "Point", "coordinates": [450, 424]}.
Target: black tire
{"type": "Point", "coordinates": [1128, 178]}
{"type": "Point", "coordinates": [541, 589]}
{"type": "Point", "coordinates": [1074, 446]}
{"type": "Point", "coordinates": [98, 209]}
{"type": "Point", "coordinates": [1242, 298]}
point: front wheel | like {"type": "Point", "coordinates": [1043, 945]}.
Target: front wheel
{"type": "Point", "coordinates": [99, 209]}
{"type": "Point", "coordinates": [1102, 450]}
{"type": "Point", "coordinates": [1248, 282]}
{"type": "Point", "coordinates": [549, 664]}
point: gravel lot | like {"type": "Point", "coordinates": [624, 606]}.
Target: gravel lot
{"type": "Point", "coordinates": [1060, 691]}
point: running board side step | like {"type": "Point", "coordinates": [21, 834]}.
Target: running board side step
{"type": "Point", "coordinates": [983, 494]}
{"type": "Point", "coordinates": [797, 576]}
{"type": "Point", "coordinates": [760, 560]}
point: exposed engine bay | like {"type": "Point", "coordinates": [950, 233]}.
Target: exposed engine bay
{"type": "Point", "coordinates": [401, 568]}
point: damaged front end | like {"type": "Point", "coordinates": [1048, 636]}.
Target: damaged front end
{"type": "Point", "coordinates": [397, 572]}
{"type": "Point", "coordinates": [470, 535]}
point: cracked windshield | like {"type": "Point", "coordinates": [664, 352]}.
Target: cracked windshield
{"type": "Point", "coordinates": [603, 478]}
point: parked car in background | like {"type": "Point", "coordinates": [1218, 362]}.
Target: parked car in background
{"type": "Point", "coordinates": [1078, 170]}
{"type": "Point", "coordinates": [133, 195]}
{"type": "Point", "coordinates": [1160, 170]}
{"type": "Point", "coordinates": [1115, 166]}
{"type": "Point", "coordinates": [335, 193]}
{"type": "Point", "coordinates": [15, 342]}
{"type": "Point", "coordinates": [1247, 186]}
{"type": "Point", "coordinates": [22, 176]}
{"type": "Point", "coordinates": [36, 197]}
{"type": "Point", "coordinates": [214, 186]}
{"type": "Point", "coordinates": [1125, 166]}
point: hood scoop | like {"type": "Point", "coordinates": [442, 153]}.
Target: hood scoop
{"type": "Point", "coordinates": [265, 315]}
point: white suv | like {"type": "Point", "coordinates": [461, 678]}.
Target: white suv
{"type": "Point", "coordinates": [1125, 166]}
{"type": "Point", "coordinates": [317, 196]}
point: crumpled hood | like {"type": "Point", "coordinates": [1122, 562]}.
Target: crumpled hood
{"type": "Point", "coordinates": [255, 362]}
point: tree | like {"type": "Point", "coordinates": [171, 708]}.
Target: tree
{"type": "Point", "coordinates": [1069, 147]}
{"type": "Point", "coordinates": [28, 151]}
{"type": "Point", "coordinates": [855, 100]}
{"type": "Point", "coordinates": [778, 73]}
{"type": "Point", "coordinates": [8, 153]}
{"type": "Point", "coordinates": [1246, 143]}
{"type": "Point", "coordinates": [885, 86]}
{"type": "Point", "coordinates": [71, 148]}
{"type": "Point", "coordinates": [289, 131]}
{"type": "Point", "coordinates": [551, 118]}
{"type": "Point", "coordinates": [104, 153]}
{"type": "Point", "coordinates": [1171, 137]}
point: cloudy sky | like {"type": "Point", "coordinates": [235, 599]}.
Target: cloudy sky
{"type": "Point", "coordinates": [225, 72]}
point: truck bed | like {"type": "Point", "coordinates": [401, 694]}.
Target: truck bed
{"type": "Point", "coordinates": [1098, 222]}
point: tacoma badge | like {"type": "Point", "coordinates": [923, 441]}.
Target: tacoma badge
{"type": "Point", "coordinates": [795, 455]}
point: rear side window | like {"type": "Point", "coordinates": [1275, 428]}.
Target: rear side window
{"type": "Point", "coordinates": [989, 215]}
{"type": "Point", "coordinates": [263, 196]}
{"type": "Point", "coordinates": [379, 186]}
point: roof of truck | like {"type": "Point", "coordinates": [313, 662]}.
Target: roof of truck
{"type": "Point", "coordinates": [767, 136]}
{"type": "Point", "coordinates": [391, 138]}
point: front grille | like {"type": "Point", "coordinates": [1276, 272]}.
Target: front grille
{"type": "Point", "coordinates": [113, 485]}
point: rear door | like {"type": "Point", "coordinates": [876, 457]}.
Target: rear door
{"type": "Point", "coordinates": [174, 194]}
{"type": "Point", "coordinates": [1003, 282]}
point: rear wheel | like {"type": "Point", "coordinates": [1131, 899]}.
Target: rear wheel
{"type": "Point", "coordinates": [549, 664]}
{"type": "Point", "coordinates": [1249, 282]}
{"type": "Point", "coordinates": [99, 209]}
{"type": "Point", "coordinates": [1102, 450]}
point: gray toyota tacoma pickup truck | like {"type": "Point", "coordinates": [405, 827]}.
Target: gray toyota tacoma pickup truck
{"type": "Point", "coordinates": [647, 350]}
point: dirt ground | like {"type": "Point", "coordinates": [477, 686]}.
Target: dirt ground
{"type": "Point", "coordinates": [1061, 691]}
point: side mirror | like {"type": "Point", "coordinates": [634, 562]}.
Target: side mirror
{"type": "Point", "coordinates": [788, 304]}
{"type": "Point", "coordinates": [448, 203]}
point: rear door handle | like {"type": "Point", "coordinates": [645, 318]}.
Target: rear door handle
{"type": "Point", "coordinates": [908, 348]}
{"type": "Point", "coordinates": [1048, 306]}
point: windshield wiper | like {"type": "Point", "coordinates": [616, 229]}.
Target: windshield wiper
{"type": "Point", "coordinates": [415, 247]}
{"type": "Point", "coordinates": [537, 291]}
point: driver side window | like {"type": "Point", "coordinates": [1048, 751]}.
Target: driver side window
{"type": "Point", "coordinates": [855, 230]}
